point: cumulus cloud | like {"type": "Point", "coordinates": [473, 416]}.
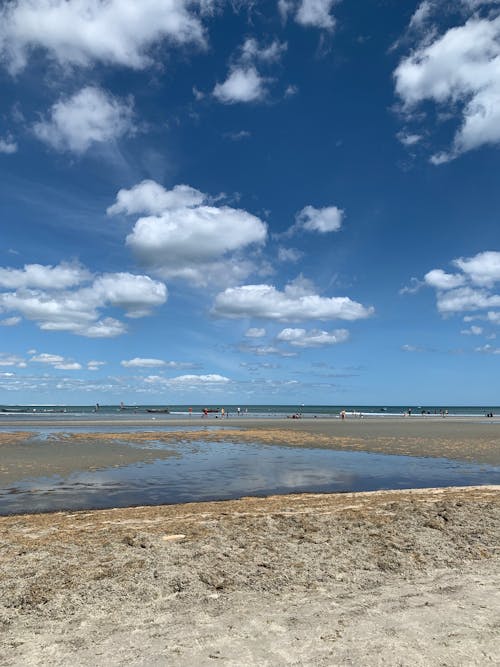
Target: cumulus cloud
{"type": "Point", "coordinates": [465, 299]}
{"type": "Point", "coordinates": [294, 303]}
{"type": "Point", "coordinates": [56, 361]}
{"type": "Point", "coordinates": [83, 32]}
{"type": "Point", "coordinates": [243, 84]}
{"type": "Point", "coordinates": [469, 290]}
{"type": "Point", "coordinates": [458, 68]}
{"type": "Point", "coordinates": [91, 116]}
{"type": "Point", "coordinates": [43, 294]}
{"type": "Point", "coordinates": [186, 238]}
{"type": "Point", "coordinates": [309, 13]}
{"type": "Point", "coordinates": [151, 198]}
{"type": "Point", "coordinates": [42, 276]}
{"type": "Point", "coordinates": [482, 269]}
{"type": "Point", "coordinates": [316, 14]}
{"type": "Point", "coordinates": [322, 220]}
{"type": "Point", "coordinates": [312, 337]}
{"type": "Point", "coordinates": [441, 280]}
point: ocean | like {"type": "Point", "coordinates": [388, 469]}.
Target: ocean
{"type": "Point", "coordinates": [260, 411]}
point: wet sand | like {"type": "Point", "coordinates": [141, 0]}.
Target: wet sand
{"type": "Point", "coordinates": [384, 578]}
{"type": "Point", "coordinates": [23, 454]}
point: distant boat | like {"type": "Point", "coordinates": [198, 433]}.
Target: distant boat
{"type": "Point", "coordinates": [164, 411]}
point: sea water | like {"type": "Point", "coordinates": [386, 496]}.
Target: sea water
{"type": "Point", "coordinates": [130, 412]}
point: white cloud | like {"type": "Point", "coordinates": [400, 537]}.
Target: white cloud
{"type": "Point", "coordinates": [139, 362]}
{"type": "Point", "coordinates": [464, 299]}
{"type": "Point", "coordinates": [266, 302]}
{"type": "Point", "coordinates": [137, 295]}
{"type": "Point", "coordinates": [109, 327]}
{"type": "Point", "coordinates": [316, 14]}
{"type": "Point", "coordinates": [291, 255]}
{"type": "Point", "coordinates": [323, 220]}
{"type": "Point", "coordinates": [408, 138]}
{"type": "Point", "coordinates": [414, 286]}
{"type": "Point", "coordinates": [188, 239]}
{"type": "Point", "coordinates": [95, 365]}
{"type": "Point", "coordinates": [255, 332]}
{"type": "Point", "coordinates": [441, 280]}
{"type": "Point", "coordinates": [10, 321]}
{"type": "Point", "coordinates": [482, 269]}
{"type": "Point", "coordinates": [313, 337]}
{"type": "Point", "coordinates": [45, 277]}
{"type": "Point", "coordinates": [90, 116]}
{"type": "Point", "coordinates": [421, 15]}
{"type": "Point", "coordinates": [11, 360]}
{"type": "Point", "coordinates": [83, 32]}
{"type": "Point", "coordinates": [488, 349]}
{"type": "Point", "coordinates": [55, 307]}
{"type": "Point", "coordinates": [56, 361]}
{"type": "Point", "coordinates": [251, 51]}
{"type": "Point", "coordinates": [244, 84]}
{"type": "Point", "coordinates": [460, 68]}
{"type": "Point", "coordinates": [8, 145]}
{"type": "Point", "coordinates": [68, 366]}
{"type": "Point", "coordinates": [493, 317]}
{"type": "Point", "coordinates": [474, 330]}
{"type": "Point", "coordinates": [45, 358]}
{"type": "Point", "coordinates": [469, 290]}
{"type": "Point", "coordinates": [151, 198]}
{"type": "Point", "coordinates": [210, 379]}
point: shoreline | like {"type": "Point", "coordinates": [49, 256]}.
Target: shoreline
{"type": "Point", "coordinates": [390, 577]}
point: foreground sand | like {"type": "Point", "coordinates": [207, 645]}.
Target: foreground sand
{"type": "Point", "coordinates": [386, 578]}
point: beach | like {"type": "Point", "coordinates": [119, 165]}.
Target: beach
{"type": "Point", "coordinates": [393, 577]}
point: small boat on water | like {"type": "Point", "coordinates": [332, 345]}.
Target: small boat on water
{"type": "Point", "coordinates": [164, 411]}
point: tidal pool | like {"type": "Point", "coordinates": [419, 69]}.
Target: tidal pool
{"type": "Point", "coordinates": [203, 470]}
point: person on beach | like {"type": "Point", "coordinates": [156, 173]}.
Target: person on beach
{"type": "Point", "coordinates": [222, 412]}
{"type": "Point", "coordinates": [342, 414]}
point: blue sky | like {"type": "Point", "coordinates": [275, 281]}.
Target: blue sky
{"type": "Point", "coordinates": [249, 202]}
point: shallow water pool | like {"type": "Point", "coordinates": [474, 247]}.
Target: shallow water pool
{"type": "Point", "coordinates": [203, 470]}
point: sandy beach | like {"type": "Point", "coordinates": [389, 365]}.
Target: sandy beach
{"type": "Point", "coordinates": [383, 578]}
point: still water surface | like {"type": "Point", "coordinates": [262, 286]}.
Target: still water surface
{"type": "Point", "coordinates": [225, 470]}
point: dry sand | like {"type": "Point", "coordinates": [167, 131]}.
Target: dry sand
{"type": "Point", "coordinates": [387, 578]}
